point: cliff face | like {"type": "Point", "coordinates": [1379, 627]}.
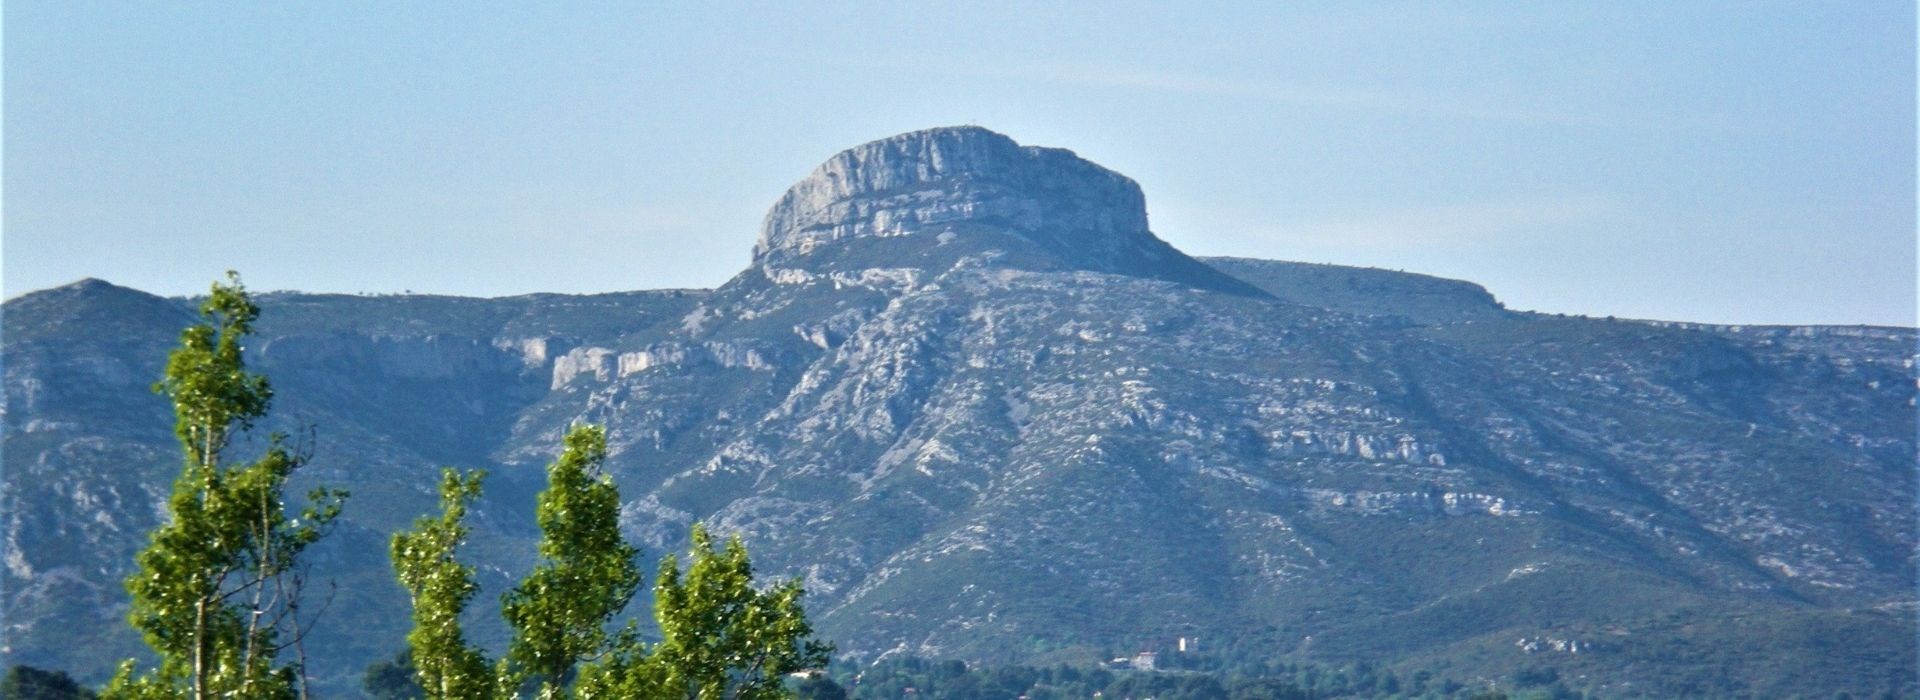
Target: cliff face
{"type": "Point", "coordinates": [926, 181]}
{"type": "Point", "coordinates": [965, 184]}
{"type": "Point", "coordinates": [967, 394]}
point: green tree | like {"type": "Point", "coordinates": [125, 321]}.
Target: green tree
{"type": "Point", "coordinates": [28, 683]}
{"type": "Point", "coordinates": [443, 662]}
{"type": "Point", "coordinates": [586, 573]}
{"type": "Point", "coordinates": [217, 591]}
{"type": "Point", "coordinates": [392, 679]}
{"type": "Point", "coordinates": [720, 638]}
{"type": "Point", "coordinates": [819, 687]}
{"type": "Point", "coordinates": [1265, 689]}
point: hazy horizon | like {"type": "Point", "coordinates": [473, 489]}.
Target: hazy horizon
{"type": "Point", "coordinates": [1722, 164]}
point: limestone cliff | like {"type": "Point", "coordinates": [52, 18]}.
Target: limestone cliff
{"type": "Point", "coordinates": [939, 185]}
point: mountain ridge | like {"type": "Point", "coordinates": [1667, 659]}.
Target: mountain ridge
{"type": "Point", "coordinates": [991, 448]}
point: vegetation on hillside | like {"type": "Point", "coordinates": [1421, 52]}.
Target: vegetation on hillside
{"type": "Point", "coordinates": [219, 591]}
{"type": "Point", "coordinates": [953, 680]}
{"type": "Point", "coordinates": [719, 637]}
{"type": "Point", "coordinates": [29, 683]}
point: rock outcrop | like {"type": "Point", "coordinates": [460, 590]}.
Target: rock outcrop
{"type": "Point", "coordinates": [943, 184]}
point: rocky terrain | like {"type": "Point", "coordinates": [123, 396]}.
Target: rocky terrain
{"type": "Point", "coordinates": [967, 394]}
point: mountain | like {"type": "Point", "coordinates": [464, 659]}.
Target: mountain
{"type": "Point", "coordinates": [968, 395]}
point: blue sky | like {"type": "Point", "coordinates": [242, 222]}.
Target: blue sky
{"type": "Point", "coordinates": [1729, 162]}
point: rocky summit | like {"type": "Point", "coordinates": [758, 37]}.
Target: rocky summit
{"type": "Point", "coordinates": [937, 186]}
{"type": "Point", "coordinates": [927, 181]}
{"type": "Point", "coordinates": [969, 397]}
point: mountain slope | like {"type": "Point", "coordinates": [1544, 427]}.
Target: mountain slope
{"type": "Point", "coordinates": [967, 393]}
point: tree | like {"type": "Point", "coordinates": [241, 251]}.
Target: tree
{"type": "Point", "coordinates": [586, 574]}
{"type": "Point", "coordinates": [217, 591]}
{"type": "Point", "coordinates": [392, 679]}
{"type": "Point", "coordinates": [443, 663]}
{"type": "Point", "coordinates": [28, 683]}
{"type": "Point", "coordinates": [819, 687]}
{"type": "Point", "coordinates": [720, 637]}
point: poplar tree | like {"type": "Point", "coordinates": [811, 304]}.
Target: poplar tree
{"type": "Point", "coordinates": [217, 591]}
{"type": "Point", "coordinates": [586, 573]}
{"type": "Point", "coordinates": [445, 664]}
{"type": "Point", "coordinates": [721, 639]}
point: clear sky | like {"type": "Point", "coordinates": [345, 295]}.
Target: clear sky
{"type": "Point", "coordinates": [1733, 162]}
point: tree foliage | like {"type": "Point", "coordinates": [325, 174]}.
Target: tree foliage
{"type": "Point", "coordinates": [1208, 678]}
{"type": "Point", "coordinates": [444, 663]}
{"type": "Point", "coordinates": [392, 679]}
{"type": "Point", "coordinates": [586, 573]}
{"type": "Point", "coordinates": [720, 637]}
{"type": "Point", "coordinates": [24, 682]}
{"type": "Point", "coordinates": [217, 593]}
{"type": "Point", "coordinates": [819, 687]}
